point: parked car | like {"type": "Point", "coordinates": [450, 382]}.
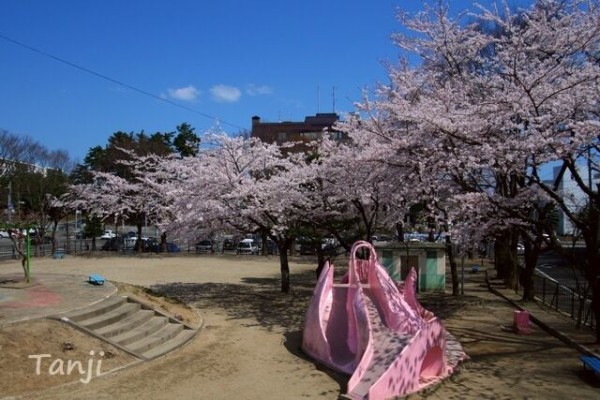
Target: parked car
{"type": "Point", "coordinates": [32, 232]}
{"type": "Point", "coordinates": [307, 248]}
{"type": "Point", "coordinates": [204, 246]}
{"type": "Point", "coordinates": [150, 244]}
{"type": "Point", "coordinates": [247, 246]}
{"type": "Point", "coordinates": [154, 245]}
{"type": "Point", "coordinates": [113, 244]}
{"type": "Point", "coordinates": [4, 234]}
{"type": "Point", "coordinates": [131, 241]}
{"type": "Point", "coordinates": [549, 242]}
{"type": "Point", "coordinates": [272, 247]}
{"type": "Point", "coordinates": [380, 239]}
{"type": "Point", "coordinates": [229, 245]}
{"type": "Point", "coordinates": [108, 235]}
{"type": "Point", "coordinates": [172, 248]}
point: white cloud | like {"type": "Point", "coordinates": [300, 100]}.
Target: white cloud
{"type": "Point", "coordinates": [257, 90]}
{"type": "Point", "coordinates": [188, 93]}
{"type": "Point", "coordinates": [225, 94]}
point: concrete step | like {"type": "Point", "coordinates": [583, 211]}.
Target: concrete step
{"type": "Point", "coordinates": [132, 326]}
{"type": "Point", "coordinates": [96, 309]}
{"type": "Point", "coordinates": [111, 316]}
{"type": "Point", "coordinates": [182, 337]}
{"type": "Point", "coordinates": [153, 325]}
{"type": "Point", "coordinates": [126, 324]}
{"type": "Point", "coordinates": [157, 338]}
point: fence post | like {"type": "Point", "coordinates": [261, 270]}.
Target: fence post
{"type": "Point", "coordinates": [543, 289]}
{"type": "Point", "coordinates": [572, 304]}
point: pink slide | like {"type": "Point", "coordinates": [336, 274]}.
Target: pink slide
{"type": "Point", "coordinates": [375, 330]}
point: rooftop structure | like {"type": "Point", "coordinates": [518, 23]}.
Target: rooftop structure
{"type": "Point", "coordinates": [312, 128]}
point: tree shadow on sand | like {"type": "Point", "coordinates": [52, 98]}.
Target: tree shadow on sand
{"type": "Point", "coordinates": [258, 302]}
{"type": "Point", "coordinates": [255, 299]}
{"type": "Point", "coordinates": [261, 300]}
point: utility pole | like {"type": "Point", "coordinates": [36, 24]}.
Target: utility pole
{"type": "Point", "coordinates": [9, 205]}
{"type": "Point", "coordinates": [333, 96]}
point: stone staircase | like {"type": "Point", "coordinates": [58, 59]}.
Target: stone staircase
{"type": "Point", "coordinates": [131, 326]}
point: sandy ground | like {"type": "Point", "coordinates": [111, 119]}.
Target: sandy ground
{"type": "Point", "coordinates": [249, 346]}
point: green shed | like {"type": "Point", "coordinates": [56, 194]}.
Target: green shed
{"type": "Point", "coordinates": [428, 259]}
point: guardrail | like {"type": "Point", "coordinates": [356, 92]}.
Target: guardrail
{"type": "Point", "coordinates": [564, 299]}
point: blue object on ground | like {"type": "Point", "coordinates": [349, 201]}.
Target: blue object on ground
{"type": "Point", "coordinates": [96, 279]}
{"type": "Point", "coordinates": [591, 362]}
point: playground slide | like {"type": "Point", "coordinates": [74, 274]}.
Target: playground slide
{"type": "Point", "coordinates": [375, 330]}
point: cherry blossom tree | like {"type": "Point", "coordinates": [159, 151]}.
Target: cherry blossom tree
{"type": "Point", "coordinates": [348, 195]}
{"type": "Point", "coordinates": [243, 185]}
{"type": "Point", "coordinates": [486, 111]}
{"type": "Point", "coordinates": [112, 197]}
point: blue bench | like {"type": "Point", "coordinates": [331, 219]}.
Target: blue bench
{"type": "Point", "coordinates": [591, 362]}
{"type": "Point", "coordinates": [96, 279]}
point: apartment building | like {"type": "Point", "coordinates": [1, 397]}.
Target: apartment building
{"type": "Point", "coordinates": [312, 128]}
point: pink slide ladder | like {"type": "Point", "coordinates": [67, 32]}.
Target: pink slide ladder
{"type": "Point", "coordinates": [375, 330]}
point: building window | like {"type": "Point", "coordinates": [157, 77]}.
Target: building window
{"type": "Point", "coordinates": [310, 135]}
{"type": "Point", "coordinates": [337, 135]}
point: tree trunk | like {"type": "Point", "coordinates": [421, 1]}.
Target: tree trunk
{"type": "Point", "coordinates": [593, 277]}
{"type": "Point", "coordinates": [591, 237]}
{"type": "Point", "coordinates": [320, 261]}
{"type": "Point", "coordinates": [24, 265]}
{"type": "Point", "coordinates": [54, 228]}
{"type": "Point", "coordinates": [138, 240]}
{"type": "Point", "coordinates": [163, 242]}
{"type": "Point", "coordinates": [284, 265]}
{"type": "Point", "coordinates": [264, 241]}
{"type": "Point", "coordinates": [400, 232]}
{"type": "Point", "coordinates": [526, 274]}
{"type": "Point", "coordinates": [505, 250]}
{"type": "Point", "coordinates": [22, 255]}
{"type": "Point", "coordinates": [453, 267]}
{"type": "Point", "coordinates": [596, 306]}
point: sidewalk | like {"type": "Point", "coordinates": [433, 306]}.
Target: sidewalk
{"type": "Point", "coordinates": [46, 294]}
{"type": "Point", "coordinates": [503, 363]}
{"type": "Point", "coordinates": [552, 321]}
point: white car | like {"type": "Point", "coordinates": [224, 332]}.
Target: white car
{"type": "Point", "coordinates": [4, 234]}
{"type": "Point", "coordinates": [108, 235]}
{"type": "Point", "coordinates": [247, 246]}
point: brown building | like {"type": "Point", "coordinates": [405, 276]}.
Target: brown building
{"type": "Point", "coordinates": [312, 128]}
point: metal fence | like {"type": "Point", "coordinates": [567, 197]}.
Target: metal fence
{"type": "Point", "coordinates": [564, 299]}
{"type": "Point", "coordinates": [71, 246]}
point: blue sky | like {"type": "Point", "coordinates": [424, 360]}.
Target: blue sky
{"type": "Point", "coordinates": [223, 61]}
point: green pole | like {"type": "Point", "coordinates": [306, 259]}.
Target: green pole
{"type": "Point", "coordinates": [27, 254]}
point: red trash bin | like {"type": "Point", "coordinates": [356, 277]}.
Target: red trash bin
{"type": "Point", "coordinates": [522, 323]}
